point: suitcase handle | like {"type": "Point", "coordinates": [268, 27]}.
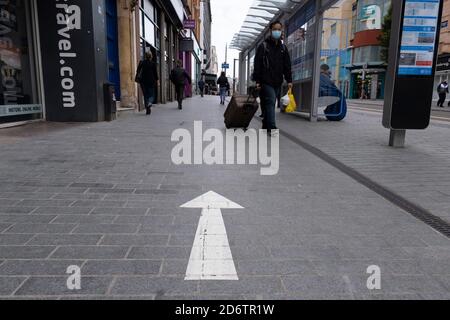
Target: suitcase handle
{"type": "Point", "coordinates": [253, 92]}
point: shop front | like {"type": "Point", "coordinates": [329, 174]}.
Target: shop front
{"type": "Point", "coordinates": [20, 90]}
{"type": "Point", "coordinates": [367, 84]}
{"type": "Point", "coordinates": [442, 72]}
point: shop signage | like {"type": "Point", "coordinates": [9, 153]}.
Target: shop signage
{"type": "Point", "coordinates": [187, 45]}
{"type": "Point", "coordinates": [443, 63]}
{"type": "Point", "coordinates": [420, 27]}
{"type": "Point", "coordinates": [72, 40]}
{"type": "Point", "coordinates": [189, 24]}
{"type": "Point", "coordinates": [16, 110]}
{"type": "Point", "coordinates": [412, 65]}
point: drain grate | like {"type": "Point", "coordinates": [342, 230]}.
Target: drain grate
{"type": "Point", "coordinates": [415, 210]}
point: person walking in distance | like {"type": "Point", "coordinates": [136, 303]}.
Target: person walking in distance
{"type": "Point", "coordinates": [442, 90]}
{"type": "Point", "coordinates": [201, 87]}
{"type": "Point", "coordinates": [147, 77]}
{"type": "Point", "coordinates": [272, 66]}
{"type": "Point", "coordinates": [224, 85]}
{"type": "Point", "coordinates": [178, 76]}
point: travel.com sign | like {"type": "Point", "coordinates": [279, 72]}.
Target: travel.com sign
{"type": "Point", "coordinates": [69, 55]}
{"type": "Point", "coordinates": [229, 147]}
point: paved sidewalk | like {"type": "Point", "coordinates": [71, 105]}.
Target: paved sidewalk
{"type": "Point", "coordinates": [419, 172]}
{"type": "Point", "coordinates": [106, 197]}
{"type": "Point", "coordinates": [380, 103]}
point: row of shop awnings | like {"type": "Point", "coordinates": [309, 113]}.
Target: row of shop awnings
{"type": "Point", "coordinates": [260, 14]}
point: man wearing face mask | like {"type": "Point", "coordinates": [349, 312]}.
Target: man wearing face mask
{"type": "Point", "coordinates": [272, 67]}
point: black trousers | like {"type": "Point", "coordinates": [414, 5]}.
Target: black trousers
{"type": "Point", "coordinates": [442, 97]}
{"type": "Point", "coordinates": [180, 94]}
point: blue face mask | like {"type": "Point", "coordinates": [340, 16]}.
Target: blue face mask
{"type": "Point", "coordinates": [276, 34]}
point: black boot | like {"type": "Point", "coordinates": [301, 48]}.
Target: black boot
{"type": "Point", "coordinates": [149, 111]}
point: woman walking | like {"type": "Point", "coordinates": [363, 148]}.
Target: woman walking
{"type": "Point", "coordinates": [147, 77]}
{"type": "Point", "coordinates": [224, 86]}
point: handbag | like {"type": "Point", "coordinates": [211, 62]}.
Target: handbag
{"type": "Point", "coordinates": [139, 73]}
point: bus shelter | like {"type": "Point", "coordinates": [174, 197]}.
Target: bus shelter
{"type": "Point", "coordinates": [317, 32]}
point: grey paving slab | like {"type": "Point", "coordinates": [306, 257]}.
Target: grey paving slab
{"type": "Point", "coordinates": [41, 228]}
{"type": "Point", "coordinates": [37, 267]}
{"type": "Point", "coordinates": [309, 232]}
{"type": "Point", "coordinates": [25, 252]}
{"type": "Point", "coordinates": [26, 218]}
{"type": "Point", "coordinates": [64, 239]}
{"type": "Point", "coordinates": [83, 219]}
{"type": "Point", "coordinates": [246, 285]}
{"type": "Point", "coordinates": [161, 252]}
{"type": "Point", "coordinates": [90, 252]}
{"type": "Point", "coordinates": [14, 210]}
{"type": "Point", "coordinates": [158, 286]}
{"type": "Point", "coordinates": [122, 268]}
{"type": "Point", "coordinates": [14, 239]}
{"type": "Point", "coordinates": [63, 210]}
{"type": "Point", "coordinates": [57, 286]}
{"type": "Point", "coordinates": [120, 211]}
{"type": "Point", "coordinates": [135, 240]}
{"type": "Point", "coordinates": [104, 228]}
{"type": "Point", "coordinates": [8, 285]}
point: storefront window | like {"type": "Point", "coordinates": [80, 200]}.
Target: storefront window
{"type": "Point", "coordinates": [365, 54]}
{"type": "Point", "coordinates": [18, 87]}
{"type": "Point", "coordinates": [149, 29]}
{"type": "Point", "coordinates": [300, 42]}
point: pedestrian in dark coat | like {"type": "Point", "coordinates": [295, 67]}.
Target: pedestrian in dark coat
{"type": "Point", "coordinates": [442, 90]}
{"type": "Point", "coordinates": [201, 87]}
{"type": "Point", "coordinates": [224, 86]}
{"type": "Point", "coordinates": [147, 77]}
{"type": "Point", "coordinates": [272, 67]}
{"type": "Point", "coordinates": [179, 76]}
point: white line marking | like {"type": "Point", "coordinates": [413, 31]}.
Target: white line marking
{"type": "Point", "coordinates": [211, 257]}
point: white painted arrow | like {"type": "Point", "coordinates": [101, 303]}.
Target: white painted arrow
{"type": "Point", "coordinates": [211, 257]}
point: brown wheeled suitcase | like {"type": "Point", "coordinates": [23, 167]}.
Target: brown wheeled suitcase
{"type": "Point", "coordinates": [240, 111]}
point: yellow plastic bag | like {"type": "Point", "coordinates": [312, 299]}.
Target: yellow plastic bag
{"type": "Point", "coordinates": [292, 107]}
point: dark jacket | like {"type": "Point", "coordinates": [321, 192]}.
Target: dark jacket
{"type": "Point", "coordinates": [201, 84]}
{"type": "Point", "coordinates": [272, 63]}
{"type": "Point", "coordinates": [223, 82]}
{"type": "Point", "coordinates": [148, 72]}
{"type": "Point", "coordinates": [178, 76]}
{"type": "Point", "coordinates": [441, 89]}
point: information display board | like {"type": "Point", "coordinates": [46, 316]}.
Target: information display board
{"type": "Point", "coordinates": [418, 40]}
{"type": "Point", "coordinates": [413, 54]}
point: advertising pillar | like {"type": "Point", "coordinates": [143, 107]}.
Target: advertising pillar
{"type": "Point", "coordinates": [412, 56]}
{"type": "Point", "coordinates": [73, 45]}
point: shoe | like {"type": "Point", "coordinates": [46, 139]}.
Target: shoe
{"type": "Point", "coordinates": [149, 111]}
{"type": "Point", "coordinates": [180, 107]}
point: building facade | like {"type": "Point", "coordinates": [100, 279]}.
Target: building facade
{"type": "Point", "coordinates": [205, 34]}
{"type": "Point", "coordinates": [336, 51]}
{"type": "Point", "coordinates": [214, 66]}
{"type": "Point", "coordinates": [191, 52]}
{"type": "Point", "coordinates": [368, 70]}
{"type": "Point", "coordinates": [58, 69]}
{"type": "Point", "coordinates": [443, 64]}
